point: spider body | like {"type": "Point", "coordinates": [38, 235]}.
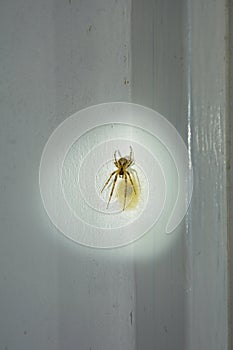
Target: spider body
{"type": "Point", "coordinates": [122, 165]}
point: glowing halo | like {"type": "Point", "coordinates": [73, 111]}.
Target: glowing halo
{"type": "Point", "coordinates": [78, 158]}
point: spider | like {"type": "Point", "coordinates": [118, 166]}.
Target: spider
{"type": "Point", "coordinates": [122, 165]}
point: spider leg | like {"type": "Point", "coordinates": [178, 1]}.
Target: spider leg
{"type": "Point", "coordinates": [113, 186]}
{"type": "Point", "coordinates": [115, 156]}
{"type": "Point", "coordinates": [136, 175]}
{"type": "Point", "coordinates": [130, 178]}
{"type": "Point", "coordinates": [131, 160]}
{"type": "Point", "coordinates": [131, 154]}
{"type": "Point", "coordinates": [108, 180]}
{"type": "Point", "coordinates": [125, 190]}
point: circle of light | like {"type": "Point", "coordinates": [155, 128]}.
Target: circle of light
{"type": "Point", "coordinates": [176, 199]}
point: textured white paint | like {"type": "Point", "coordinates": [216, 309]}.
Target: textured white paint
{"type": "Point", "coordinates": [208, 215]}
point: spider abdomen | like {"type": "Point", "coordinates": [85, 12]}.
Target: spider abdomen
{"type": "Point", "coordinates": [122, 164]}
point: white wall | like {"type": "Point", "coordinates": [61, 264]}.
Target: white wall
{"type": "Point", "coordinates": [56, 58]}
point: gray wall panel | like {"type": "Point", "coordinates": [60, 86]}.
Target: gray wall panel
{"type": "Point", "coordinates": [56, 58]}
{"type": "Point", "coordinates": [179, 69]}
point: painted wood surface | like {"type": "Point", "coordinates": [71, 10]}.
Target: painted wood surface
{"type": "Point", "coordinates": [208, 214]}
{"type": "Point", "coordinates": [179, 68]}
{"type": "Point", "coordinates": [158, 75]}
